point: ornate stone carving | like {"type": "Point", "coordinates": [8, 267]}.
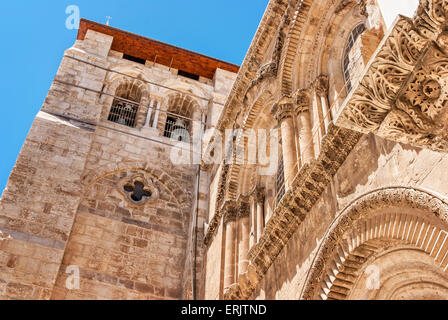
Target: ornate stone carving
{"type": "Point", "coordinates": [321, 85]}
{"type": "Point", "coordinates": [362, 5]}
{"type": "Point", "coordinates": [420, 115]}
{"type": "Point", "coordinates": [270, 69]}
{"type": "Point", "coordinates": [244, 208]}
{"type": "Point", "coordinates": [229, 211]}
{"type": "Point", "coordinates": [214, 222]}
{"type": "Point", "coordinates": [342, 5]}
{"type": "Point", "coordinates": [284, 108]}
{"type": "Point", "coordinates": [404, 91]}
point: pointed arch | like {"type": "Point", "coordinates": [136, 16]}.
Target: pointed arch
{"type": "Point", "coordinates": [183, 197]}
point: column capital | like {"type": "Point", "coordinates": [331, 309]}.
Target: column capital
{"type": "Point", "coordinates": [244, 209]}
{"type": "Point", "coordinates": [303, 101]}
{"type": "Point", "coordinates": [321, 85]}
{"type": "Point", "coordinates": [284, 108]}
{"type": "Point", "coordinates": [258, 194]}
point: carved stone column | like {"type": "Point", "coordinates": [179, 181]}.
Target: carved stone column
{"type": "Point", "coordinates": [283, 112]}
{"type": "Point", "coordinates": [243, 245]}
{"type": "Point", "coordinates": [229, 216]}
{"type": "Point", "coordinates": [305, 129]}
{"type": "Point", "coordinates": [149, 114]}
{"type": "Point", "coordinates": [321, 87]}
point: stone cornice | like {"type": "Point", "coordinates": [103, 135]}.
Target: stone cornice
{"type": "Point", "coordinates": [402, 94]}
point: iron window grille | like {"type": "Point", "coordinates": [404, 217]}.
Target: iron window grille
{"type": "Point", "coordinates": [123, 113]}
{"type": "Point", "coordinates": [354, 35]}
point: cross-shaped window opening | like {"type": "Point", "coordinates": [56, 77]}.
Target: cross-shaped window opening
{"type": "Point", "coordinates": [137, 191]}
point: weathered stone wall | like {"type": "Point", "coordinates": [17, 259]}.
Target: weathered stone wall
{"type": "Point", "coordinates": [141, 247]}
{"type": "Point", "coordinates": [374, 163]}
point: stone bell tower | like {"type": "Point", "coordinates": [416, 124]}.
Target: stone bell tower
{"type": "Point", "coordinates": [95, 208]}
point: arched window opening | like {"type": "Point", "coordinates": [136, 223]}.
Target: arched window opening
{"type": "Point", "coordinates": [352, 62]}
{"type": "Point", "coordinates": [178, 120]}
{"type": "Point", "coordinates": [124, 108]}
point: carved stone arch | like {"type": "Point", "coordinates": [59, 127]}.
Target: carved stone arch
{"type": "Point", "coordinates": [312, 24]}
{"type": "Point", "coordinates": [130, 79]}
{"type": "Point", "coordinates": [372, 225]}
{"type": "Point", "coordinates": [179, 111]}
{"type": "Point", "coordinates": [183, 197]}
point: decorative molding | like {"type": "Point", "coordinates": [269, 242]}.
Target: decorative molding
{"type": "Point", "coordinates": [362, 220]}
{"type": "Point", "coordinates": [214, 222]}
{"type": "Point", "coordinates": [404, 90]}
{"type": "Point", "coordinates": [244, 208]}
{"type": "Point", "coordinates": [321, 85]}
{"type": "Point", "coordinates": [292, 44]}
{"type": "Point", "coordinates": [284, 108]}
{"type": "Point", "coordinates": [270, 70]}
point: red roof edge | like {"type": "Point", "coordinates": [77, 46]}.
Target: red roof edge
{"type": "Point", "coordinates": [156, 51]}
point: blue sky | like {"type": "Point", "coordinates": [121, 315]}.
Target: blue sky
{"type": "Point", "coordinates": [34, 38]}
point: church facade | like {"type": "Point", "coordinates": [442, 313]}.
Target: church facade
{"type": "Point", "coordinates": [315, 170]}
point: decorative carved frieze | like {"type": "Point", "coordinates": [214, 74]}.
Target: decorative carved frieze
{"type": "Point", "coordinates": [321, 85]}
{"type": "Point", "coordinates": [284, 108]}
{"type": "Point", "coordinates": [403, 93]}
{"type": "Point", "coordinates": [229, 211]}
{"type": "Point", "coordinates": [303, 101]}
